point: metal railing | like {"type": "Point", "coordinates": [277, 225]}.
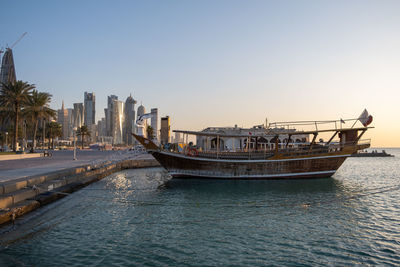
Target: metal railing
{"type": "Point", "coordinates": [296, 149]}
{"type": "Point", "coordinates": [314, 125]}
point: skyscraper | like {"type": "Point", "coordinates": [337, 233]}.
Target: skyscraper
{"type": "Point", "coordinates": [7, 75]}
{"type": "Point", "coordinates": [77, 115]}
{"type": "Point", "coordinates": [70, 121]}
{"type": "Point", "coordinates": [101, 127]}
{"type": "Point", "coordinates": [154, 122]}
{"type": "Point", "coordinates": [129, 120]}
{"type": "Point", "coordinates": [108, 112]}
{"type": "Point", "coordinates": [90, 109]}
{"type": "Point", "coordinates": [7, 72]}
{"type": "Point", "coordinates": [118, 121]}
{"type": "Point", "coordinates": [63, 120]}
{"type": "Point", "coordinates": [141, 111]}
{"type": "Point", "coordinates": [165, 130]}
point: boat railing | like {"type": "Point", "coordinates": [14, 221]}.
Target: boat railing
{"type": "Point", "coordinates": [296, 149]}
{"type": "Point", "coordinates": [314, 125]}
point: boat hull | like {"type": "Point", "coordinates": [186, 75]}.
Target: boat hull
{"type": "Point", "coordinates": [181, 166]}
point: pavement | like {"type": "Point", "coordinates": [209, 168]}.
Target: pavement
{"type": "Point", "coordinates": [60, 160]}
{"type": "Point", "coordinates": [20, 156]}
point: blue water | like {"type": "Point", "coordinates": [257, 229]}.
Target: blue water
{"type": "Point", "coordinates": [134, 218]}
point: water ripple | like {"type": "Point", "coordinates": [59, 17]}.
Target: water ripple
{"type": "Point", "coordinates": [135, 218]}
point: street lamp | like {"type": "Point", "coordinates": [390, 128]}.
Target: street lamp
{"type": "Point", "coordinates": [75, 129]}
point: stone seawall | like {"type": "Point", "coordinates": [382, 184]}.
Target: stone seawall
{"type": "Point", "coordinates": [23, 195]}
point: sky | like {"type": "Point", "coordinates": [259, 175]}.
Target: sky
{"type": "Point", "coordinates": [216, 63]}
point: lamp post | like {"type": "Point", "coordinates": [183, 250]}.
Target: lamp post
{"type": "Point", "coordinates": [75, 129]}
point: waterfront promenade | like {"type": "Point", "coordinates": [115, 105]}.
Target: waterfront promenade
{"type": "Point", "coordinates": [60, 160]}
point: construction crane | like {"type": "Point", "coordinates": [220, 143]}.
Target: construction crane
{"type": "Point", "coordinates": [19, 39]}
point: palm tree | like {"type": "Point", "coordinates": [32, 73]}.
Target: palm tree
{"type": "Point", "coordinates": [54, 130]}
{"type": "Point", "coordinates": [37, 107]}
{"type": "Point", "coordinates": [83, 131]}
{"type": "Point", "coordinates": [14, 96]}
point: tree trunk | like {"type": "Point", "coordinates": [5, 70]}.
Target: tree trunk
{"type": "Point", "coordinates": [43, 133]}
{"type": "Point", "coordinates": [82, 137]}
{"type": "Point", "coordinates": [50, 135]}
{"type": "Point", "coordinates": [15, 140]}
{"type": "Point", "coordinates": [34, 135]}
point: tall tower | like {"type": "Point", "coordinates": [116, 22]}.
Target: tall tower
{"type": "Point", "coordinates": [118, 121]}
{"type": "Point", "coordinates": [77, 115]}
{"type": "Point", "coordinates": [70, 121]}
{"type": "Point", "coordinates": [63, 120]}
{"type": "Point", "coordinates": [129, 120]}
{"type": "Point", "coordinates": [165, 130]}
{"type": "Point", "coordinates": [7, 72]}
{"type": "Point", "coordinates": [90, 109]}
{"type": "Point", "coordinates": [154, 122]}
{"type": "Point", "coordinates": [7, 75]}
{"type": "Point", "coordinates": [141, 111]}
{"type": "Point", "coordinates": [108, 112]}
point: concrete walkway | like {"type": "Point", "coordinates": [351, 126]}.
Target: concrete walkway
{"type": "Point", "coordinates": [14, 169]}
{"type": "Point", "coordinates": [20, 156]}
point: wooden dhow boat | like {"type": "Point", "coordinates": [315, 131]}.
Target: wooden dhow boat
{"type": "Point", "coordinates": [272, 152]}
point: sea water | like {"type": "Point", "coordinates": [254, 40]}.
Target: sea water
{"type": "Point", "coordinates": [140, 217]}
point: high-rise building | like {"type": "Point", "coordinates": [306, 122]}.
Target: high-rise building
{"type": "Point", "coordinates": [77, 115]}
{"type": "Point", "coordinates": [70, 122]}
{"type": "Point", "coordinates": [7, 75]}
{"type": "Point", "coordinates": [129, 120]}
{"type": "Point", "coordinates": [101, 127]}
{"type": "Point", "coordinates": [178, 138]}
{"type": "Point", "coordinates": [118, 121]}
{"type": "Point", "coordinates": [90, 109]}
{"type": "Point", "coordinates": [141, 111]}
{"type": "Point", "coordinates": [7, 72]}
{"type": "Point", "coordinates": [154, 122]}
{"type": "Point", "coordinates": [165, 130]}
{"type": "Point", "coordinates": [62, 119]}
{"type": "Point", "coordinates": [108, 112]}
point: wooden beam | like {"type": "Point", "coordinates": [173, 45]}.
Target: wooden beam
{"type": "Point", "coordinates": [288, 140]}
{"type": "Point", "coordinates": [313, 141]}
{"type": "Point", "coordinates": [361, 134]}
{"type": "Point", "coordinates": [333, 136]}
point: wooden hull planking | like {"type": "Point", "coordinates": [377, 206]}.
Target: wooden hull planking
{"type": "Point", "coordinates": [192, 167]}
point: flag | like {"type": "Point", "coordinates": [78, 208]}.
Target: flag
{"type": "Point", "coordinates": [365, 118]}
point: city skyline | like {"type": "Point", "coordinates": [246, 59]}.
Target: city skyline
{"type": "Point", "coordinates": [216, 63]}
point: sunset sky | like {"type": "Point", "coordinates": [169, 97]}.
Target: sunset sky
{"type": "Point", "coordinates": [216, 63]}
